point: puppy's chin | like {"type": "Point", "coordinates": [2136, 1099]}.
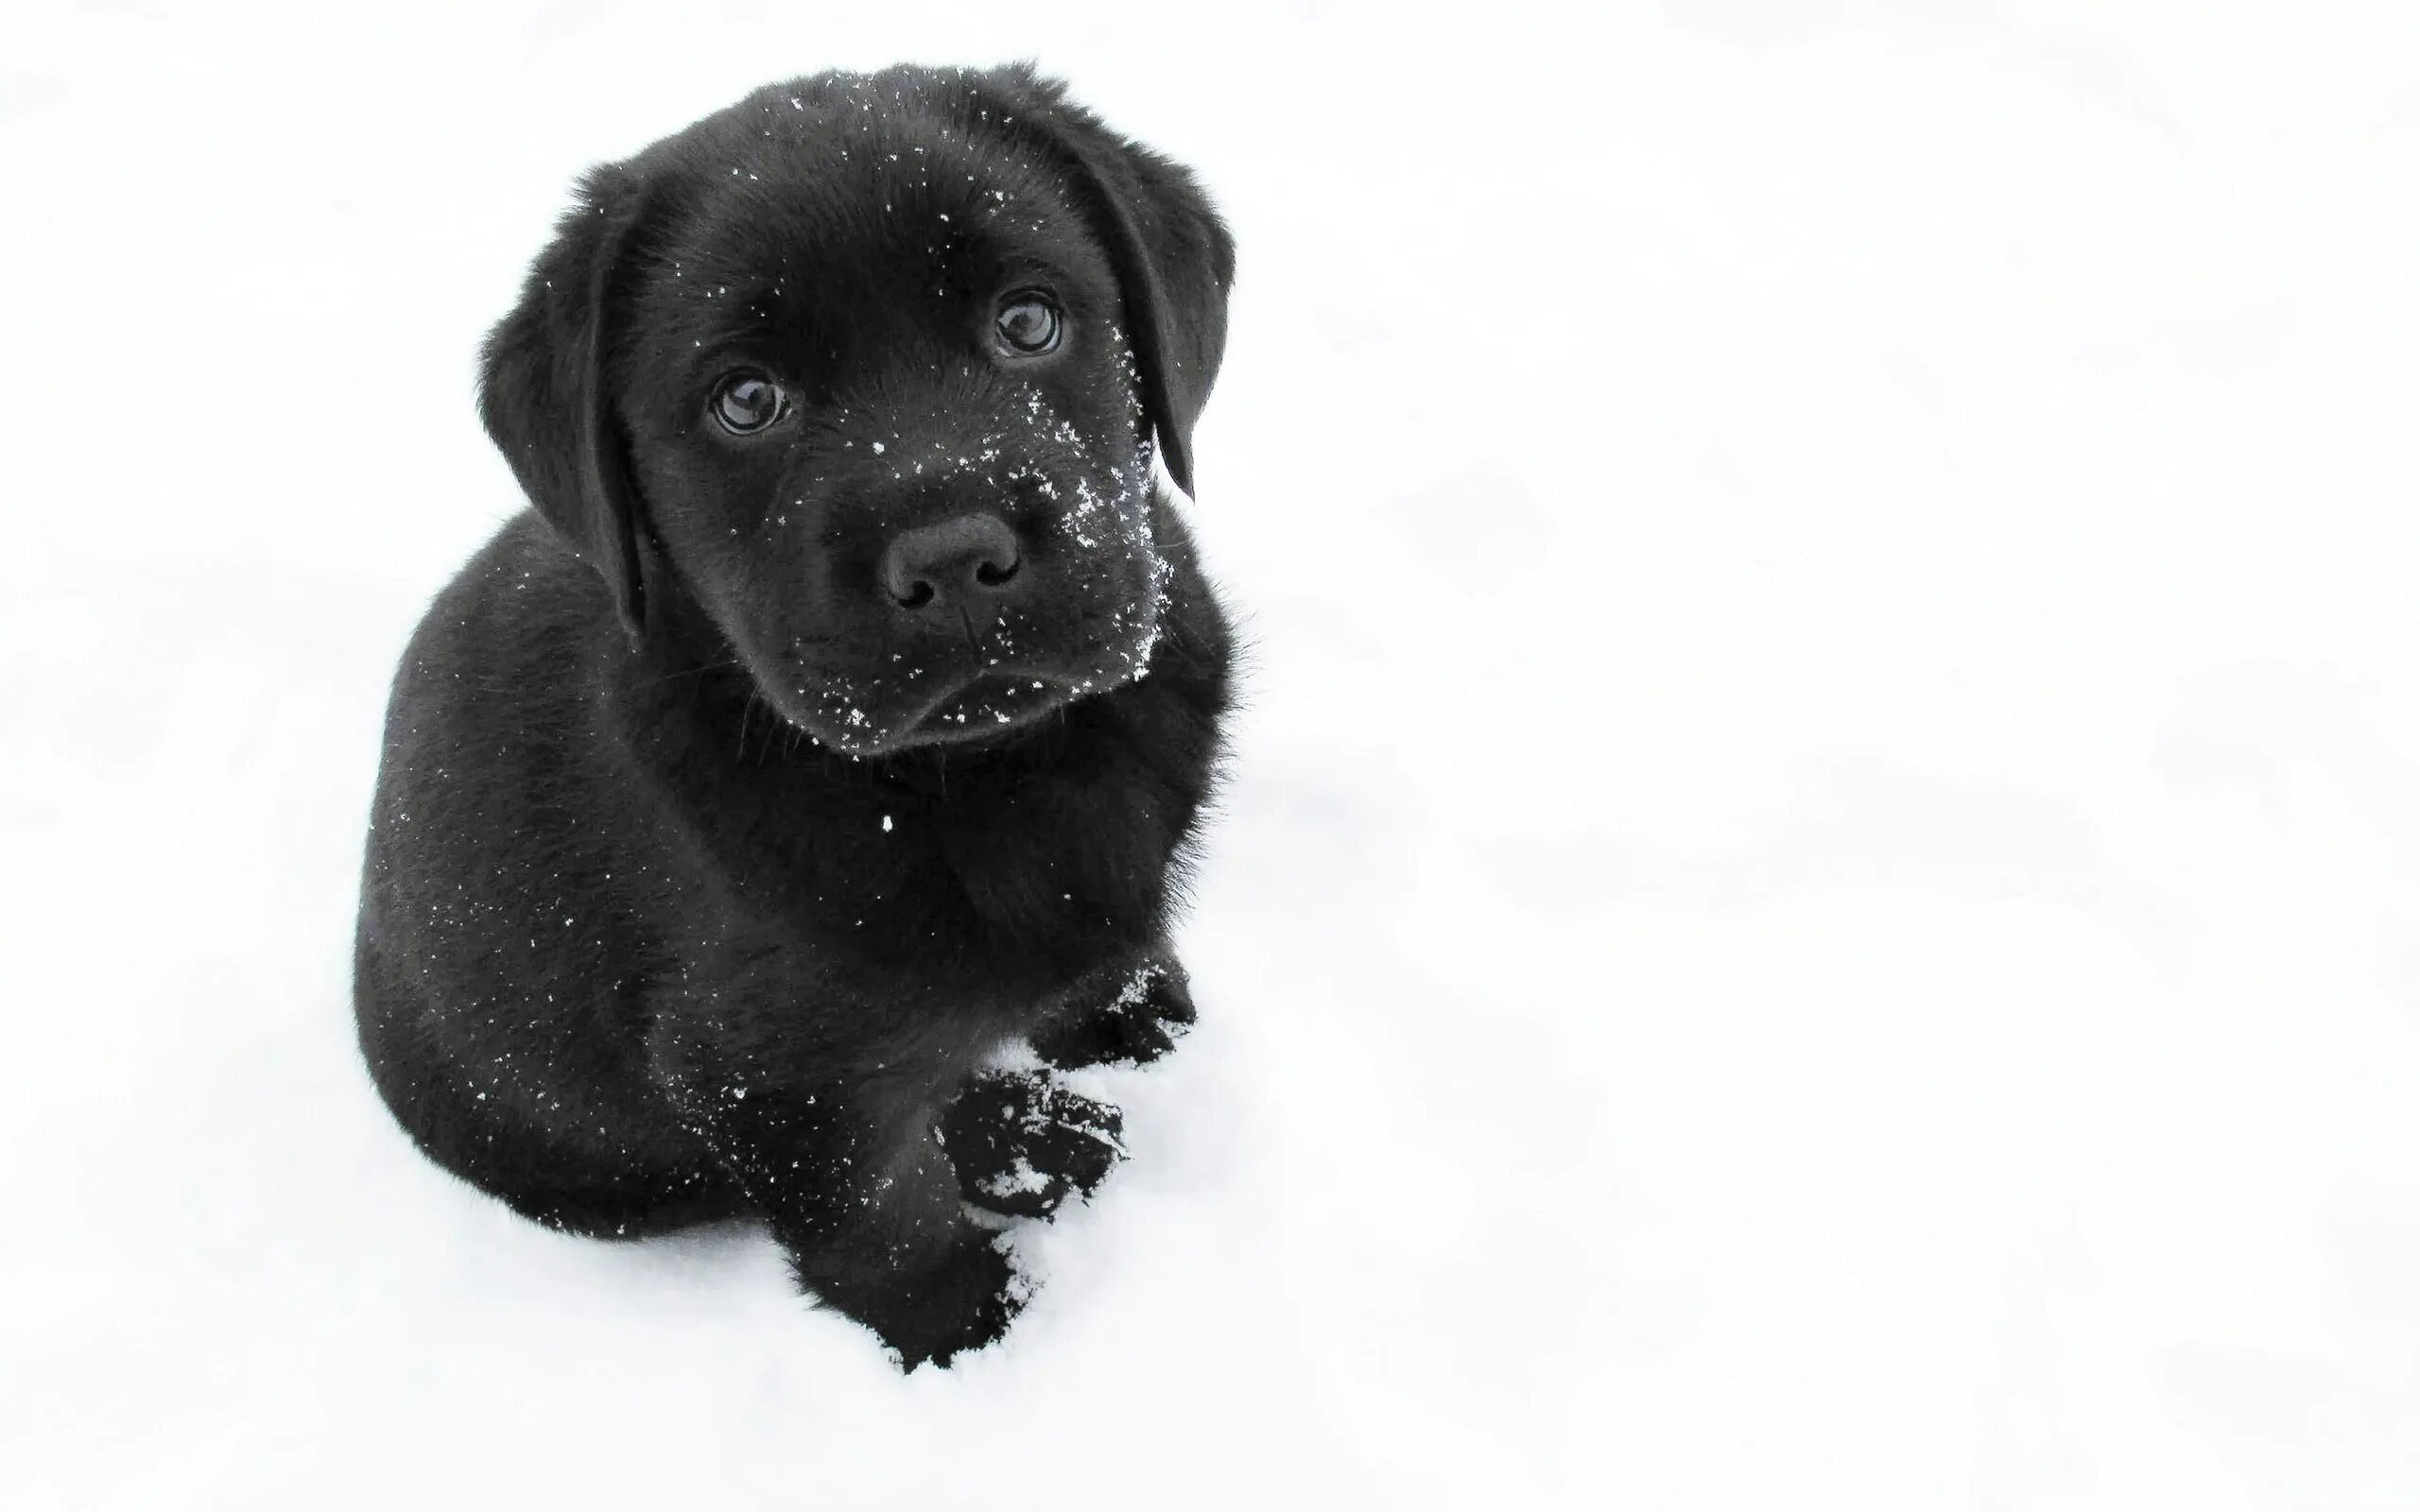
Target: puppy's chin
{"type": "Point", "coordinates": [987, 710]}
{"type": "Point", "coordinates": [879, 716]}
{"type": "Point", "coordinates": [992, 707]}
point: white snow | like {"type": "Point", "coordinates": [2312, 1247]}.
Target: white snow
{"type": "Point", "coordinates": [1021, 1176]}
{"type": "Point", "coordinates": [1820, 905]}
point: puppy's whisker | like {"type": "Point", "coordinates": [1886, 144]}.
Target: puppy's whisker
{"type": "Point", "coordinates": [687, 672]}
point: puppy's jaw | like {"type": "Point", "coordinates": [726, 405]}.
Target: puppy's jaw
{"type": "Point", "coordinates": [965, 701]}
{"type": "Point", "coordinates": [986, 709]}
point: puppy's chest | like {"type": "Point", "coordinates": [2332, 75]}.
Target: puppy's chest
{"type": "Point", "coordinates": [816, 1001]}
{"type": "Point", "coordinates": [901, 887]}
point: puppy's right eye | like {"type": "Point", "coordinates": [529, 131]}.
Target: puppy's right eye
{"type": "Point", "coordinates": [746, 403]}
{"type": "Point", "coordinates": [1027, 324]}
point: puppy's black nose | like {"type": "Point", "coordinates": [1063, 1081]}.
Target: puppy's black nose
{"type": "Point", "coordinates": [953, 566]}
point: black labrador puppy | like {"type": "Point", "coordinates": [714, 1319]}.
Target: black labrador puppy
{"type": "Point", "coordinates": [766, 815]}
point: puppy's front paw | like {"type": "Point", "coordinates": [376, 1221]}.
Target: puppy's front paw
{"type": "Point", "coordinates": [1153, 1007]}
{"type": "Point", "coordinates": [1023, 1144]}
{"type": "Point", "coordinates": [962, 1305]}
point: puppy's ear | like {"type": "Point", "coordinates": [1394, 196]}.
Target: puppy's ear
{"type": "Point", "coordinates": [1174, 259]}
{"type": "Point", "coordinates": [545, 396]}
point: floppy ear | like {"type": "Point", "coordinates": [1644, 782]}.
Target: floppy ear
{"type": "Point", "coordinates": [543, 392]}
{"type": "Point", "coordinates": [1174, 259]}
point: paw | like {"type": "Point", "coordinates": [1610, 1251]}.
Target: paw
{"type": "Point", "coordinates": [937, 1314]}
{"type": "Point", "coordinates": [1023, 1145]}
{"type": "Point", "coordinates": [1153, 1009]}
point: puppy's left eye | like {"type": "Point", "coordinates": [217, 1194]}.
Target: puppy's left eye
{"type": "Point", "coordinates": [746, 403]}
{"type": "Point", "coordinates": [1028, 324]}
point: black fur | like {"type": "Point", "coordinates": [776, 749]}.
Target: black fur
{"type": "Point", "coordinates": [706, 874]}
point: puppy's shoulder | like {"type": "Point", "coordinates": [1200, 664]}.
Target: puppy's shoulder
{"type": "Point", "coordinates": [503, 664]}
{"type": "Point", "coordinates": [521, 606]}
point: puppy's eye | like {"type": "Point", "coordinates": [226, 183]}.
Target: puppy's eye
{"type": "Point", "coordinates": [1027, 324]}
{"type": "Point", "coordinates": [746, 403]}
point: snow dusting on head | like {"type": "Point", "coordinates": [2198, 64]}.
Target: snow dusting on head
{"type": "Point", "coordinates": [1092, 503]}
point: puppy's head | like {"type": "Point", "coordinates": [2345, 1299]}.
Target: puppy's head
{"type": "Point", "coordinates": [869, 368]}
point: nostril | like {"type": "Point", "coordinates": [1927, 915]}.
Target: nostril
{"type": "Point", "coordinates": [932, 570]}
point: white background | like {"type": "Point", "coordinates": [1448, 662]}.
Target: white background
{"type": "Point", "coordinates": [1818, 904]}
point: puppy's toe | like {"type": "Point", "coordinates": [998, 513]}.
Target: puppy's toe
{"type": "Point", "coordinates": [1077, 1139]}
{"type": "Point", "coordinates": [1139, 1025]}
{"type": "Point", "coordinates": [1023, 1145]}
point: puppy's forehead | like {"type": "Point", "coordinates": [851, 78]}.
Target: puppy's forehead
{"type": "Point", "coordinates": [806, 190]}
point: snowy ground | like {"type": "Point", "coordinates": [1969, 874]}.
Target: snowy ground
{"type": "Point", "coordinates": [1821, 903]}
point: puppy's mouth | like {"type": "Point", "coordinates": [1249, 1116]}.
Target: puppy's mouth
{"type": "Point", "coordinates": [987, 708]}
{"type": "Point", "coordinates": [947, 701]}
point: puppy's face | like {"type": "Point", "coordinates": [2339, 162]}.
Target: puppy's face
{"type": "Point", "coordinates": [884, 418]}
{"type": "Point", "coordinates": [878, 379]}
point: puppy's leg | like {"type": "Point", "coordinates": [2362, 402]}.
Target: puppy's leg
{"type": "Point", "coordinates": [860, 1192]}
{"type": "Point", "coordinates": [1133, 1015]}
{"type": "Point", "coordinates": [893, 1250]}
